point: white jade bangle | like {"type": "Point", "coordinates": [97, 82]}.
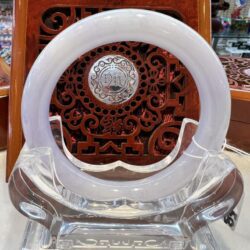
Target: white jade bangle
{"type": "Point", "coordinates": [128, 25]}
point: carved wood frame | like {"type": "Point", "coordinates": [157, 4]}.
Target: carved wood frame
{"type": "Point", "coordinates": [20, 50]}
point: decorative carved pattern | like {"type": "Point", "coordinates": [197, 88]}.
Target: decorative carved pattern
{"type": "Point", "coordinates": [238, 72]}
{"type": "Point", "coordinates": [146, 124]}
{"type": "Point", "coordinates": [29, 33]}
{"type": "Point", "coordinates": [57, 18]}
{"type": "Point", "coordinates": [142, 127]}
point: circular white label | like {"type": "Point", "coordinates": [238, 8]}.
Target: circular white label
{"type": "Point", "coordinates": [113, 79]}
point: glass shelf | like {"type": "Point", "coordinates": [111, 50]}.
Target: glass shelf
{"type": "Point", "coordinates": [231, 44]}
{"type": "Point", "coordinates": [231, 35]}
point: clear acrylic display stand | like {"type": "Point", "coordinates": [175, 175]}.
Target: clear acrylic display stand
{"type": "Point", "coordinates": [61, 219]}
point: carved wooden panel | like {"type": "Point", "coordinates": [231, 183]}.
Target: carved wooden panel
{"type": "Point", "coordinates": [238, 72]}
{"type": "Point", "coordinates": [37, 22]}
{"type": "Point", "coordinates": [141, 130]}
{"type": "Point", "coordinates": [49, 17]}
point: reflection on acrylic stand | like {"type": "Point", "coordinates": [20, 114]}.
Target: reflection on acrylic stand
{"type": "Point", "coordinates": [69, 221]}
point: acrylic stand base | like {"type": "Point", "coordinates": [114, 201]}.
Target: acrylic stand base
{"type": "Point", "coordinates": [64, 220]}
{"type": "Point", "coordinates": [37, 237]}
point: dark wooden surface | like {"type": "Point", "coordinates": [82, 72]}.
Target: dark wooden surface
{"type": "Point", "coordinates": [239, 129]}
{"type": "Point", "coordinates": [3, 121]}
{"type": "Point", "coordinates": [4, 92]}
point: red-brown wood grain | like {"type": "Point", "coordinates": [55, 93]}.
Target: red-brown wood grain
{"type": "Point", "coordinates": [37, 22]}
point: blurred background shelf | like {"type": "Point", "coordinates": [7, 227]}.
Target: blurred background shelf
{"type": "Point", "coordinates": [6, 20]}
